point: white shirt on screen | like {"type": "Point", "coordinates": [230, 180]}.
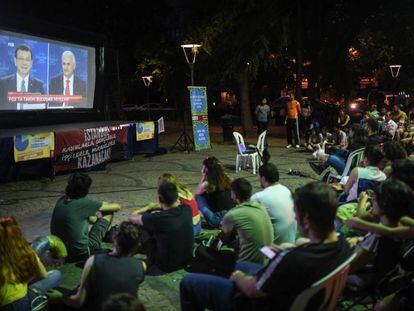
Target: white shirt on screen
{"type": "Point", "coordinates": [70, 85]}
{"type": "Point", "coordinates": [19, 83]}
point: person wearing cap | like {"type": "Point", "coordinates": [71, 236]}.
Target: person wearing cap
{"type": "Point", "coordinates": [262, 113]}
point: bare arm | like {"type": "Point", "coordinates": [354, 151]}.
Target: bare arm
{"type": "Point", "coordinates": [201, 188]}
{"type": "Point", "coordinates": [353, 177]}
{"type": "Point", "coordinates": [109, 207]}
{"type": "Point", "coordinates": [404, 232]}
{"type": "Point", "coordinates": [362, 203]}
{"type": "Point", "coordinates": [42, 273]}
{"type": "Point", "coordinates": [146, 208]}
{"type": "Point", "coordinates": [136, 219]}
{"type": "Point", "coordinates": [77, 300]}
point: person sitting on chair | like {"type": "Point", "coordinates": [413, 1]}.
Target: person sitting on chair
{"type": "Point", "coordinates": [392, 200]}
{"type": "Point", "coordinates": [288, 273]}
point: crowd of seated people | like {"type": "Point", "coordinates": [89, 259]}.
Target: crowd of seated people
{"type": "Point", "coordinates": [302, 229]}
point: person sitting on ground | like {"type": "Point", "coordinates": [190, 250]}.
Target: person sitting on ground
{"type": "Point", "coordinates": [72, 214]}
{"type": "Point", "coordinates": [392, 200]}
{"type": "Point", "coordinates": [338, 158]}
{"type": "Point", "coordinates": [248, 221]}
{"type": "Point", "coordinates": [184, 195]}
{"type": "Point", "coordinates": [167, 238]}
{"type": "Point", "coordinates": [343, 119]}
{"type": "Point", "coordinates": [108, 274]}
{"type": "Point", "coordinates": [213, 193]}
{"type": "Point", "coordinates": [370, 173]}
{"type": "Point", "coordinates": [277, 199]}
{"type": "Point", "coordinates": [123, 302]}
{"type": "Point", "coordinates": [20, 270]}
{"type": "Point", "coordinates": [288, 273]}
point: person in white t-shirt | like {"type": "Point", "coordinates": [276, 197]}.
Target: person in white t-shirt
{"type": "Point", "coordinates": [277, 199]}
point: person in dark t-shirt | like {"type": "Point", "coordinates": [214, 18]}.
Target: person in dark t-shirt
{"type": "Point", "coordinates": [108, 274]}
{"type": "Point", "coordinates": [167, 237]}
{"type": "Point", "coordinates": [288, 273]}
{"type": "Point", "coordinates": [73, 214]}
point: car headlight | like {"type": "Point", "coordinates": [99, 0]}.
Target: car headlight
{"type": "Point", "coordinates": [353, 106]}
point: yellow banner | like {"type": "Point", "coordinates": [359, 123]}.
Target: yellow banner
{"type": "Point", "coordinates": [34, 146]}
{"type": "Point", "coordinates": [145, 130]}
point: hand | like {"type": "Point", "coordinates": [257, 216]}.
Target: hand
{"type": "Point", "coordinates": [237, 275]}
{"type": "Point", "coordinates": [351, 223]}
{"type": "Point", "coordinates": [54, 295]}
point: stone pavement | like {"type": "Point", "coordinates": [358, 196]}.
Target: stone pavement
{"type": "Point", "coordinates": [133, 184]}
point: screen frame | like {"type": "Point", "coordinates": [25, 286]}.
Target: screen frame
{"type": "Point", "coordinates": [64, 34]}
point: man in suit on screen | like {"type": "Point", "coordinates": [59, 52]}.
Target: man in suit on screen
{"type": "Point", "coordinates": [21, 81]}
{"type": "Point", "coordinates": [67, 83]}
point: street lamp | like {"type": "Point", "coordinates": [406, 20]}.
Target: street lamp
{"type": "Point", "coordinates": [147, 82]}
{"type": "Point", "coordinates": [190, 52]}
{"type": "Point", "coordinates": [395, 71]}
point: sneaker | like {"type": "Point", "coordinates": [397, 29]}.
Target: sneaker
{"type": "Point", "coordinates": [297, 146]}
{"type": "Point", "coordinates": [318, 169]}
{"type": "Point", "coordinates": [289, 146]}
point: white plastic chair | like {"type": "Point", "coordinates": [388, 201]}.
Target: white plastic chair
{"type": "Point", "coordinates": [332, 286]}
{"type": "Point", "coordinates": [354, 159]}
{"type": "Point", "coordinates": [259, 147]}
{"type": "Point", "coordinates": [244, 157]}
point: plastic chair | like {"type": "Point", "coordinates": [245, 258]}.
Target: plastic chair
{"type": "Point", "coordinates": [354, 159]}
{"type": "Point", "coordinates": [259, 147]}
{"type": "Point", "coordinates": [244, 157]}
{"type": "Point", "coordinates": [332, 285]}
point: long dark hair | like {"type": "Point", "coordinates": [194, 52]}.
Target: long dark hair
{"type": "Point", "coordinates": [216, 177]}
{"type": "Point", "coordinates": [18, 260]}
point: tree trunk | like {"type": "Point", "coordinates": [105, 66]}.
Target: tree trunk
{"type": "Point", "coordinates": [246, 115]}
{"type": "Point", "coordinates": [299, 57]}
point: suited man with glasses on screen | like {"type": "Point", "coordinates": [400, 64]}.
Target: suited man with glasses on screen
{"type": "Point", "coordinates": [67, 82]}
{"type": "Point", "coordinates": [21, 81]}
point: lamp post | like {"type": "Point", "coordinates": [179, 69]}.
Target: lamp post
{"type": "Point", "coordinates": [395, 71]}
{"type": "Point", "coordinates": [190, 52]}
{"type": "Point", "coordinates": [147, 82]}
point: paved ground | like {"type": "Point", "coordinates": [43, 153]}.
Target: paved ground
{"type": "Point", "coordinates": [133, 184]}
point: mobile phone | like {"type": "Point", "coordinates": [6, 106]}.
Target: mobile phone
{"type": "Point", "coordinates": [267, 251]}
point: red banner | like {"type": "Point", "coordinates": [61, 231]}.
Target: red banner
{"type": "Point", "coordinates": [80, 149]}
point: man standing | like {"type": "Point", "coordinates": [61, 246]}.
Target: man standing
{"type": "Point", "coordinates": [292, 125]}
{"type": "Point", "coordinates": [21, 81]}
{"type": "Point", "coordinates": [67, 83]}
{"type": "Point", "coordinates": [167, 237]}
{"type": "Point", "coordinates": [277, 199]}
{"type": "Point", "coordinates": [288, 273]}
{"type": "Point", "coordinates": [249, 221]}
{"type": "Point", "coordinates": [73, 214]}
{"type": "Point", "coordinates": [262, 113]}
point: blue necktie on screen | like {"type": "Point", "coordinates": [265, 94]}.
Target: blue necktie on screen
{"type": "Point", "coordinates": [23, 87]}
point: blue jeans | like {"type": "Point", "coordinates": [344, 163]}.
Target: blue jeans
{"type": "Point", "coordinates": [197, 228]}
{"type": "Point", "coordinates": [37, 288]}
{"type": "Point", "coordinates": [200, 291]}
{"type": "Point", "coordinates": [213, 219]}
{"type": "Point", "coordinates": [337, 162]}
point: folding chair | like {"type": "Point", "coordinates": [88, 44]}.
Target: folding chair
{"type": "Point", "coordinates": [354, 159]}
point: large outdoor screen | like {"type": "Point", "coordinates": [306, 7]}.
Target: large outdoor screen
{"type": "Point", "coordinates": [39, 74]}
